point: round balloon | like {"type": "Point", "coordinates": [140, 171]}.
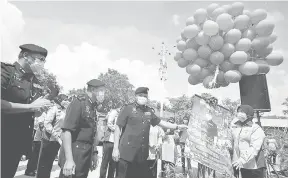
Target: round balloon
{"type": "Point", "coordinates": [216, 58]}
{"type": "Point", "coordinates": [220, 78]}
{"type": "Point", "coordinates": [274, 59]}
{"type": "Point", "coordinates": [202, 38]}
{"type": "Point", "coordinates": [250, 34]}
{"type": "Point", "coordinates": [177, 56]}
{"type": "Point", "coordinates": [236, 9]}
{"type": "Point", "coordinates": [227, 7]}
{"type": "Point", "coordinates": [242, 22]}
{"type": "Point", "coordinates": [191, 43]}
{"type": "Point", "coordinates": [207, 82]}
{"type": "Point", "coordinates": [263, 66]}
{"type": "Point", "coordinates": [211, 8]}
{"type": "Point", "coordinates": [193, 69]}
{"type": "Point", "coordinates": [226, 65]}
{"type": "Point", "coordinates": [225, 22]}
{"type": "Point", "coordinates": [191, 31]}
{"type": "Point", "coordinates": [190, 54]}
{"type": "Point", "coordinates": [193, 80]}
{"type": "Point", "coordinates": [247, 12]}
{"type": "Point", "coordinates": [216, 42]}
{"type": "Point", "coordinates": [204, 52]}
{"type": "Point", "coordinates": [272, 38]}
{"type": "Point", "coordinates": [212, 68]}
{"type": "Point", "coordinates": [238, 57]}
{"type": "Point", "coordinates": [233, 36]}
{"type": "Point", "coordinates": [183, 63]}
{"type": "Point", "coordinates": [210, 28]}
{"type": "Point", "coordinates": [204, 73]}
{"type": "Point", "coordinates": [217, 12]}
{"type": "Point", "coordinates": [258, 15]}
{"type": "Point", "coordinates": [227, 50]}
{"type": "Point", "coordinates": [201, 62]}
{"type": "Point", "coordinates": [260, 43]}
{"type": "Point", "coordinates": [264, 28]}
{"type": "Point", "coordinates": [183, 36]}
{"type": "Point", "coordinates": [243, 44]}
{"type": "Point", "coordinates": [265, 51]}
{"type": "Point", "coordinates": [249, 68]}
{"type": "Point", "coordinates": [178, 39]}
{"type": "Point", "coordinates": [190, 21]}
{"type": "Point", "coordinates": [200, 15]}
{"type": "Point", "coordinates": [232, 76]}
{"type": "Point", "coordinates": [181, 45]}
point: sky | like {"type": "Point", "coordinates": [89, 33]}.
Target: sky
{"type": "Point", "coordinates": [86, 38]}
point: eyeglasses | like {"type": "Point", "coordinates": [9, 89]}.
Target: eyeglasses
{"type": "Point", "coordinates": [40, 58]}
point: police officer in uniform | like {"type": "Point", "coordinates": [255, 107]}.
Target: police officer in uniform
{"type": "Point", "coordinates": [18, 105]}
{"type": "Point", "coordinates": [133, 125]}
{"type": "Point", "coordinates": [78, 153]}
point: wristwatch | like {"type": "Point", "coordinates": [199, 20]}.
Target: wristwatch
{"type": "Point", "coordinates": [96, 151]}
{"type": "Point", "coordinates": [177, 127]}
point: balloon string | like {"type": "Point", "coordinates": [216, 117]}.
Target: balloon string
{"type": "Point", "coordinates": [213, 82]}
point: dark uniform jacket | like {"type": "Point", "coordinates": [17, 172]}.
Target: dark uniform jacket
{"type": "Point", "coordinates": [18, 86]}
{"type": "Point", "coordinates": [80, 120]}
{"type": "Point", "coordinates": [135, 122]}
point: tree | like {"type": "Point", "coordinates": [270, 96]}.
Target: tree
{"type": "Point", "coordinates": [285, 103]}
{"type": "Point", "coordinates": [119, 89]}
{"type": "Point", "coordinates": [181, 106]}
{"type": "Point", "coordinates": [231, 105]}
{"type": "Point", "coordinates": [49, 82]}
{"type": "Point", "coordinates": [76, 91]}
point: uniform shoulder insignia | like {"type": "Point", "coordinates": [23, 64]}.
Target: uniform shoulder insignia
{"type": "Point", "coordinates": [7, 64]}
{"type": "Point", "coordinates": [81, 97]}
{"type": "Point", "coordinates": [152, 109]}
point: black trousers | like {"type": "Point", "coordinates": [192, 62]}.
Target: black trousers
{"type": "Point", "coordinates": [15, 142]}
{"type": "Point", "coordinates": [48, 153]}
{"type": "Point", "coordinates": [152, 169]}
{"type": "Point", "coordinates": [33, 161]}
{"type": "Point", "coordinates": [131, 169]}
{"type": "Point", "coordinates": [182, 145]}
{"type": "Point", "coordinates": [251, 173]}
{"type": "Point", "coordinates": [107, 161]}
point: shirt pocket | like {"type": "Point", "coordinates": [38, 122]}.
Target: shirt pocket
{"type": "Point", "coordinates": [134, 119]}
{"type": "Point", "coordinates": [20, 89]}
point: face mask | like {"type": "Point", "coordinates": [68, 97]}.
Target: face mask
{"type": "Point", "coordinates": [100, 96]}
{"type": "Point", "coordinates": [142, 100]}
{"type": "Point", "coordinates": [241, 116]}
{"type": "Point", "coordinates": [36, 67]}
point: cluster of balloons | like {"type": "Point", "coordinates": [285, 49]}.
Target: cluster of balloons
{"type": "Point", "coordinates": [220, 44]}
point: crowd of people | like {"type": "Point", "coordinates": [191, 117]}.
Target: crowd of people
{"type": "Point", "coordinates": [134, 140]}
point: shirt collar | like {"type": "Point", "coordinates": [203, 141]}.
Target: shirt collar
{"type": "Point", "coordinates": [24, 70]}
{"type": "Point", "coordinates": [245, 123]}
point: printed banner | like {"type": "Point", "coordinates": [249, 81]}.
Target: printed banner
{"type": "Point", "coordinates": [208, 133]}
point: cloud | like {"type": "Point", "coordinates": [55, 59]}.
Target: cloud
{"type": "Point", "coordinates": [175, 19]}
{"type": "Point", "coordinates": [275, 17]}
{"type": "Point", "coordinates": [74, 67]}
{"type": "Point", "coordinates": [12, 25]}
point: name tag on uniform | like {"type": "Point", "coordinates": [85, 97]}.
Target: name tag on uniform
{"type": "Point", "coordinates": [147, 113]}
{"type": "Point", "coordinates": [37, 86]}
{"type": "Point", "coordinates": [88, 109]}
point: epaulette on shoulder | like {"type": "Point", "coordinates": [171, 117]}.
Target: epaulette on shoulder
{"type": "Point", "coordinates": [7, 64]}
{"type": "Point", "coordinates": [81, 97]}
{"type": "Point", "coordinates": [153, 110]}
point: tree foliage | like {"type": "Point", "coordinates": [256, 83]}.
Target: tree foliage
{"type": "Point", "coordinates": [119, 89]}
{"type": "Point", "coordinates": [48, 81]}
{"type": "Point", "coordinates": [231, 105]}
{"type": "Point", "coordinates": [181, 107]}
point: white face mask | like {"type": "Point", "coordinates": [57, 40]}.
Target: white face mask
{"type": "Point", "coordinates": [100, 96]}
{"type": "Point", "coordinates": [142, 100]}
{"type": "Point", "coordinates": [241, 116]}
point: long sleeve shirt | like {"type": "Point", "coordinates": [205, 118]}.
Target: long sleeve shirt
{"type": "Point", "coordinates": [247, 141]}
{"type": "Point", "coordinates": [53, 123]}
{"type": "Point", "coordinates": [111, 122]}
{"type": "Point", "coordinates": [38, 126]}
